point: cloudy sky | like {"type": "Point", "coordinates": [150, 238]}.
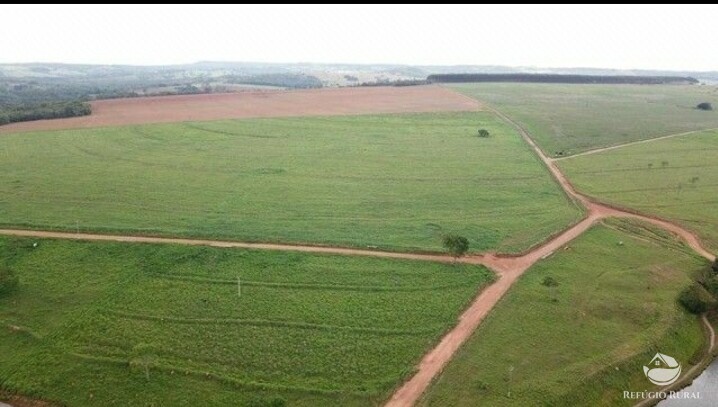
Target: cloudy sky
{"type": "Point", "coordinates": [660, 37]}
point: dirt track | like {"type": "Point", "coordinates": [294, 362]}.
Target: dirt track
{"type": "Point", "coordinates": [314, 102]}
{"type": "Point", "coordinates": [650, 140]}
{"type": "Point", "coordinates": [231, 244]}
{"type": "Point", "coordinates": [507, 268]}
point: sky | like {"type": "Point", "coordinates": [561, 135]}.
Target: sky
{"type": "Point", "coordinates": [624, 37]}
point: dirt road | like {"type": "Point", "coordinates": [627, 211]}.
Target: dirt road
{"type": "Point", "coordinates": [232, 244]}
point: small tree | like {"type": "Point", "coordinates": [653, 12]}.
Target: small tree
{"type": "Point", "coordinates": [715, 265]}
{"type": "Point", "coordinates": [484, 133]}
{"type": "Point", "coordinates": [456, 245]}
{"type": "Point", "coordinates": [704, 106]}
{"type": "Point", "coordinates": [8, 280]}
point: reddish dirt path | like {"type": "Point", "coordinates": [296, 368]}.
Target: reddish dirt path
{"type": "Point", "coordinates": [314, 102]}
{"type": "Point", "coordinates": [41, 234]}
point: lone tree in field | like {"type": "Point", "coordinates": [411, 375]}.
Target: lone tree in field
{"type": "Point", "coordinates": [484, 133]}
{"type": "Point", "coordinates": [456, 245]}
{"type": "Point", "coordinates": [704, 106]}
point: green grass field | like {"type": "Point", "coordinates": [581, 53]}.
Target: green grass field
{"type": "Point", "coordinates": [585, 341]}
{"type": "Point", "coordinates": [88, 318]}
{"type": "Point", "coordinates": [398, 182]}
{"type": "Point", "coordinates": [575, 118]}
{"type": "Point", "coordinates": [674, 178]}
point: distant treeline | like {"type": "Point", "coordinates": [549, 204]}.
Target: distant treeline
{"type": "Point", "coordinates": [557, 78]}
{"type": "Point", "coordinates": [400, 82]}
{"type": "Point", "coordinates": [21, 92]}
{"type": "Point", "coordinates": [52, 110]}
{"type": "Point", "coordinates": [289, 80]}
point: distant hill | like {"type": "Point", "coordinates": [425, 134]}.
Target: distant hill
{"type": "Point", "coordinates": [29, 84]}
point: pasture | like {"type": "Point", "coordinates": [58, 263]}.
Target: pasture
{"type": "Point", "coordinates": [568, 119]}
{"type": "Point", "coordinates": [673, 178]}
{"type": "Point", "coordinates": [585, 340]}
{"type": "Point", "coordinates": [394, 182]}
{"type": "Point", "coordinates": [131, 324]}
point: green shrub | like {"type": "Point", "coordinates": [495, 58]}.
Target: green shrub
{"type": "Point", "coordinates": [704, 106]}
{"type": "Point", "coordinates": [456, 245]}
{"type": "Point", "coordinates": [715, 265]}
{"type": "Point", "coordinates": [695, 299]}
{"type": "Point", "coordinates": [549, 281]}
{"type": "Point", "coordinates": [484, 133]}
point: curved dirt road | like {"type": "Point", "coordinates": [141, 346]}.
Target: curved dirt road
{"type": "Point", "coordinates": [508, 268]}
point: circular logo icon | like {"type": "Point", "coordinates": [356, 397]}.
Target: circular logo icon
{"type": "Point", "coordinates": [663, 370]}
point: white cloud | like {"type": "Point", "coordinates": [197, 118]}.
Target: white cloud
{"type": "Point", "coordinates": [661, 37]}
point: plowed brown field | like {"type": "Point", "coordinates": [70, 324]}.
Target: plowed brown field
{"type": "Point", "coordinates": [314, 102]}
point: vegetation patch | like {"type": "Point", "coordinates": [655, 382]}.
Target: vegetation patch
{"type": "Point", "coordinates": [568, 119]}
{"type": "Point", "coordinates": [350, 181]}
{"type": "Point", "coordinates": [47, 110]}
{"type": "Point", "coordinates": [585, 340]}
{"type": "Point", "coordinates": [129, 324]}
{"type": "Point", "coordinates": [675, 178]}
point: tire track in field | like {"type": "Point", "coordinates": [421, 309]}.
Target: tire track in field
{"type": "Point", "coordinates": [631, 143]}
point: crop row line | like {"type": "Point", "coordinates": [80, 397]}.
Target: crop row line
{"type": "Point", "coordinates": [309, 286]}
{"type": "Point", "coordinates": [172, 369]}
{"type": "Point", "coordinates": [272, 324]}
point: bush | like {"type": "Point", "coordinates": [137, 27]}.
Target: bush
{"type": "Point", "coordinates": [8, 280]}
{"type": "Point", "coordinates": [484, 133]}
{"type": "Point", "coordinates": [711, 286]}
{"type": "Point", "coordinates": [694, 299]}
{"type": "Point", "coordinates": [456, 245]}
{"type": "Point", "coordinates": [704, 106]}
{"type": "Point", "coordinates": [549, 281]}
{"type": "Point", "coordinates": [715, 265]}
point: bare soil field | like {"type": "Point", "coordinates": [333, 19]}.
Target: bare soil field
{"type": "Point", "coordinates": [314, 102]}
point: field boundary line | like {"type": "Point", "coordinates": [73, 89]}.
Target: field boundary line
{"type": "Point", "coordinates": [229, 244]}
